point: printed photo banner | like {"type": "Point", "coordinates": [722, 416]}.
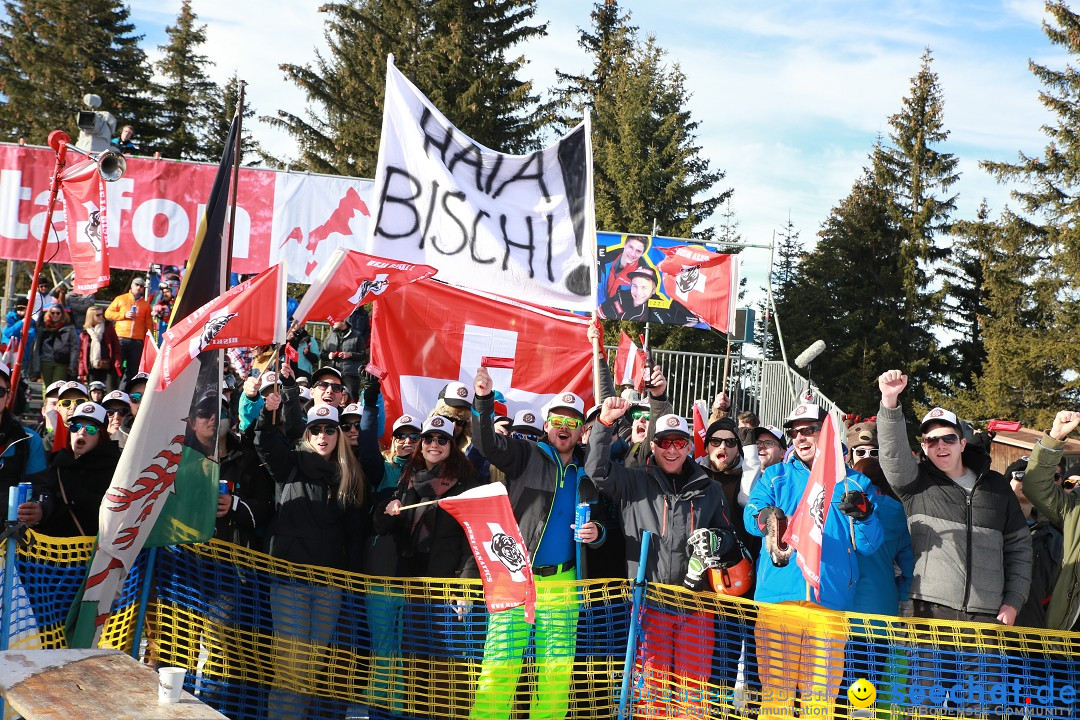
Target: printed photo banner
{"type": "Point", "coordinates": [665, 280]}
{"type": "Point", "coordinates": [520, 226]}
{"type": "Point", "coordinates": [154, 210]}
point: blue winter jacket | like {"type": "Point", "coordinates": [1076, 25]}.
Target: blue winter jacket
{"type": "Point", "coordinates": [782, 486]}
{"type": "Point", "coordinates": [885, 576]}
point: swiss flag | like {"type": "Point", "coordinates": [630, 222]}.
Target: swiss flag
{"type": "Point", "coordinates": [350, 279]}
{"type": "Point", "coordinates": [700, 416]}
{"type": "Point", "coordinates": [805, 531]}
{"type": "Point", "coordinates": [629, 363]}
{"type": "Point", "coordinates": [85, 215]}
{"type": "Point", "coordinates": [252, 313]}
{"type": "Point", "coordinates": [149, 354]}
{"type": "Point", "coordinates": [432, 334]}
{"type": "Point", "coordinates": [705, 282]}
{"type": "Point", "coordinates": [495, 538]}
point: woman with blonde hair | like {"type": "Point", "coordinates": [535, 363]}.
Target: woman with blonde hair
{"type": "Point", "coordinates": [322, 519]}
{"type": "Point", "coordinates": [99, 350]}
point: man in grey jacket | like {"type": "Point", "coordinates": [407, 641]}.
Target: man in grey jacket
{"type": "Point", "coordinates": [970, 539]}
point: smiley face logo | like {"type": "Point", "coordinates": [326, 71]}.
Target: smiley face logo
{"type": "Point", "coordinates": [862, 693]}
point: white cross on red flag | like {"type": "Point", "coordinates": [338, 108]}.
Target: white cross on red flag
{"type": "Point", "coordinates": [495, 538]}
{"type": "Point", "coordinates": [432, 334]}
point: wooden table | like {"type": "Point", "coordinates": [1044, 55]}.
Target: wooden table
{"type": "Point", "coordinates": [89, 685]}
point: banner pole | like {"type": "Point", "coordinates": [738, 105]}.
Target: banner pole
{"type": "Point", "coordinates": [631, 640]}
{"type": "Point", "coordinates": [144, 599]}
{"type": "Point", "coordinates": [235, 180]}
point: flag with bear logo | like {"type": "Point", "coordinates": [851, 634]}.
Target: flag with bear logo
{"type": "Point", "coordinates": [485, 515]}
{"type": "Point", "coordinates": [85, 213]}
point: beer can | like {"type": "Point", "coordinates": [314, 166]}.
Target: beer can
{"type": "Point", "coordinates": [26, 492]}
{"type": "Point", "coordinates": [582, 514]}
{"type": "Point", "coordinates": [223, 487]}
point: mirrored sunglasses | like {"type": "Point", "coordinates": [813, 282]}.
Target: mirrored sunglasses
{"type": "Point", "coordinates": [136, 397]}
{"type": "Point", "coordinates": [640, 414]}
{"type": "Point", "coordinates": [561, 421]}
{"type": "Point", "coordinates": [88, 427]}
{"type": "Point", "coordinates": [950, 439]}
{"type": "Point", "coordinates": [672, 442]}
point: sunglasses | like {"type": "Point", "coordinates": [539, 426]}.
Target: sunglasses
{"type": "Point", "coordinates": [672, 442]}
{"type": "Point", "coordinates": [91, 430]}
{"type": "Point", "coordinates": [204, 414]}
{"type": "Point", "coordinates": [561, 421]}
{"type": "Point", "coordinates": [331, 386]}
{"type": "Point", "coordinates": [523, 436]}
{"type": "Point", "coordinates": [726, 442]}
{"type": "Point", "coordinates": [806, 430]}
{"type": "Point", "coordinates": [950, 439]}
{"type": "Point", "coordinates": [4, 391]}
{"type": "Point", "coordinates": [116, 411]}
{"type": "Point", "coordinates": [54, 312]}
{"type": "Point", "coordinates": [766, 444]}
{"type": "Point", "coordinates": [346, 426]}
{"type": "Point", "coordinates": [407, 437]}
{"type": "Point", "coordinates": [865, 451]}
{"type": "Point", "coordinates": [327, 430]}
{"type": "Point", "coordinates": [640, 414]}
{"type": "Point", "coordinates": [440, 439]}
{"type": "Point", "coordinates": [136, 397]}
{"type": "Point", "coordinates": [69, 402]}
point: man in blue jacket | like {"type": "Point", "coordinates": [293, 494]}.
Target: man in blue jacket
{"type": "Point", "coordinates": [801, 642]}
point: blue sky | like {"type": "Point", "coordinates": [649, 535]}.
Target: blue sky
{"type": "Point", "coordinates": [790, 95]}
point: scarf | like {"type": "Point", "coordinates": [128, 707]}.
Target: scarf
{"type": "Point", "coordinates": [54, 324]}
{"type": "Point", "coordinates": [96, 333]}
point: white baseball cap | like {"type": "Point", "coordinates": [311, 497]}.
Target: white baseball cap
{"type": "Point", "coordinates": [527, 421]}
{"type": "Point", "coordinates": [352, 410]}
{"type": "Point", "coordinates": [96, 385]}
{"type": "Point", "coordinates": [305, 394]}
{"type": "Point", "coordinates": [53, 389]}
{"type": "Point", "coordinates": [322, 415]}
{"type": "Point", "coordinates": [457, 394]}
{"type": "Point", "coordinates": [941, 415]}
{"type": "Point", "coordinates": [90, 411]}
{"type": "Point", "coordinates": [771, 430]}
{"type": "Point", "coordinates": [438, 424]}
{"type": "Point", "coordinates": [74, 385]}
{"type": "Point", "coordinates": [267, 381]}
{"type": "Point", "coordinates": [407, 421]}
{"type": "Point", "coordinates": [806, 412]}
{"type": "Point", "coordinates": [117, 396]}
{"type": "Point", "coordinates": [671, 424]}
{"type": "Point", "coordinates": [567, 400]}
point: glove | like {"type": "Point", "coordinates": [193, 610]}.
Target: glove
{"type": "Point", "coordinates": [695, 570]}
{"type": "Point", "coordinates": [856, 505]}
{"type": "Point", "coordinates": [371, 392]}
{"type": "Point", "coordinates": [773, 523]}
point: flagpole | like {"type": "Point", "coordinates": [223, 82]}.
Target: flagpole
{"type": "Point", "coordinates": [419, 504]}
{"type": "Point", "coordinates": [235, 179]}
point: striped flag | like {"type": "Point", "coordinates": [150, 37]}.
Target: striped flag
{"type": "Point", "coordinates": [807, 525]}
{"type": "Point", "coordinates": [163, 491]}
{"type": "Point", "coordinates": [629, 363]}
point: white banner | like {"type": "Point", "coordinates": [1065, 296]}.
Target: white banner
{"type": "Point", "coordinates": [522, 226]}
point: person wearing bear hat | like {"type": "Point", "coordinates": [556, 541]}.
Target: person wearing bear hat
{"type": "Point", "coordinates": [80, 474]}
{"type": "Point", "coordinates": [972, 546]}
{"type": "Point", "coordinates": [545, 481]}
{"type": "Point", "coordinates": [671, 496]}
{"type": "Point", "coordinates": [797, 616]}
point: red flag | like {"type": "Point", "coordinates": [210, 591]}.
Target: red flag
{"type": "Point", "coordinates": [432, 334]}
{"type": "Point", "coordinates": [629, 363]}
{"type": "Point", "coordinates": [350, 279]}
{"type": "Point", "coordinates": [705, 282]}
{"type": "Point", "coordinates": [149, 354]}
{"type": "Point", "coordinates": [699, 428]}
{"type": "Point", "coordinates": [804, 533]}
{"type": "Point", "coordinates": [252, 313]}
{"type": "Point", "coordinates": [290, 354]}
{"type": "Point", "coordinates": [501, 556]}
{"type": "Point", "coordinates": [85, 212]}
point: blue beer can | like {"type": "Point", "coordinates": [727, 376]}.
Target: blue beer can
{"type": "Point", "coordinates": [223, 487]}
{"type": "Point", "coordinates": [26, 492]}
{"type": "Point", "coordinates": [582, 514]}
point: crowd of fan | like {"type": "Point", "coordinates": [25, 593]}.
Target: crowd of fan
{"type": "Point", "coordinates": [930, 532]}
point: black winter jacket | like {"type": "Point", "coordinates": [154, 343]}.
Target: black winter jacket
{"type": "Point", "coordinates": [83, 481]}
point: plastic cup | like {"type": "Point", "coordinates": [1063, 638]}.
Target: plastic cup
{"type": "Point", "coordinates": [170, 684]}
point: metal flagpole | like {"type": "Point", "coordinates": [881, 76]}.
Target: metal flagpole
{"type": "Point", "coordinates": [625, 701]}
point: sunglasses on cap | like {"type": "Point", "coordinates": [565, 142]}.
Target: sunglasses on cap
{"type": "Point", "coordinates": [407, 437]}
{"type": "Point", "coordinates": [327, 430]}
{"type": "Point", "coordinates": [640, 414]}
{"type": "Point", "coordinates": [346, 426]}
{"type": "Point", "coordinates": [672, 442]}
{"type": "Point", "coordinates": [136, 397]}
{"type": "Point", "coordinates": [932, 441]}
{"type": "Point", "coordinates": [807, 430]}
{"type": "Point", "coordinates": [865, 451]}
{"type": "Point", "coordinates": [69, 402]}
{"type": "Point", "coordinates": [561, 421]}
{"type": "Point", "coordinates": [88, 427]}
{"type": "Point", "coordinates": [726, 442]}
{"type": "Point", "coordinates": [440, 439]}
{"type": "Point", "coordinates": [331, 386]}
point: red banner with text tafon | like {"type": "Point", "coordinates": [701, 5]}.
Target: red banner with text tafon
{"type": "Point", "coordinates": [155, 207]}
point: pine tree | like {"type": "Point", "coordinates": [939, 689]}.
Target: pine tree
{"type": "Point", "coordinates": [966, 297]}
{"type": "Point", "coordinates": [456, 52]}
{"type": "Point", "coordinates": [188, 95]}
{"type": "Point", "coordinates": [788, 251]}
{"type": "Point", "coordinates": [222, 111]}
{"type": "Point", "coordinates": [612, 37]}
{"type": "Point", "coordinates": [52, 52]}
